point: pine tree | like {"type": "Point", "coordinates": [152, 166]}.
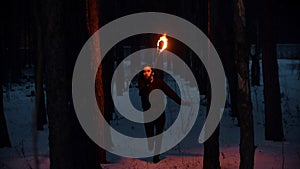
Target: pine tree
{"type": "Point", "coordinates": [244, 105]}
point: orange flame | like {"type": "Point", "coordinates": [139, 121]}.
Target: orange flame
{"type": "Point", "coordinates": [163, 39]}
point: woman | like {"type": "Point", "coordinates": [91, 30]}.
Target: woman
{"type": "Point", "coordinates": [147, 83]}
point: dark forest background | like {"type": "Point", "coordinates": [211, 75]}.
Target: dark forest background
{"type": "Point", "coordinates": [48, 35]}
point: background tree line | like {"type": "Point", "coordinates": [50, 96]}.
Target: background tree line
{"type": "Point", "coordinates": [50, 34]}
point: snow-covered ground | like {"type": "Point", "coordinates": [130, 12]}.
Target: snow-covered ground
{"type": "Point", "coordinates": [18, 107]}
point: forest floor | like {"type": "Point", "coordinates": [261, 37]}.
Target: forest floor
{"type": "Point", "coordinates": [188, 154]}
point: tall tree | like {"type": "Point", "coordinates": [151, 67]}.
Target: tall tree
{"type": "Point", "coordinates": [255, 67]}
{"type": "Point", "coordinates": [223, 40]}
{"type": "Point", "coordinates": [211, 145]}
{"type": "Point", "coordinates": [244, 105]}
{"type": "Point", "coordinates": [15, 46]}
{"type": "Point", "coordinates": [40, 109]}
{"type": "Point", "coordinates": [92, 25]}
{"type": "Point", "coordinates": [66, 33]}
{"type": "Point", "coordinates": [4, 141]}
{"type": "Point", "coordinates": [39, 114]}
{"type": "Point", "coordinates": [273, 112]}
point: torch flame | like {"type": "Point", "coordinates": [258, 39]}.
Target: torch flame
{"type": "Point", "coordinates": [163, 39]}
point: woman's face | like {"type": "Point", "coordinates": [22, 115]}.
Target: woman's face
{"type": "Point", "coordinates": [147, 72]}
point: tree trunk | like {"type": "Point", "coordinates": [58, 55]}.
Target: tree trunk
{"type": "Point", "coordinates": [69, 145]}
{"type": "Point", "coordinates": [273, 113]}
{"type": "Point", "coordinates": [4, 141]}
{"type": "Point", "coordinates": [244, 106]}
{"type": "Point", "coordinates": [92, 24]}
{"type": "Point", "coordinates": [255, 68]}
{"type": "Point", "coordinates": [223, 40]}
{"type": "Point", "coordinates": [40, 109]}
{"type": "Point", "coordinates": [14, 41]}
{"type": "Point", "coordinates": [211, 146]}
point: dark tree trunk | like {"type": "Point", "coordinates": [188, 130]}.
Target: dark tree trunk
{"type": "Point", "coordinates": [41, 116]}
{"type": "Point", "coordinates": [255, 67]}
{"type": "Point", "coordinates": [14, 41]}
{"type": "Point", "coordinates": [211, 151]}
{"type": "Point", "coordinates": [244, 105]}
{"type": "Point", "coordinates": [4, 141]}
{"type": "Point", "coordinates": [4, 37]}
{"type": "Point", "coordinates": [92, 25]}
{"type": "Point", "coordinates": [66, 33]}
{"type": "Point", "coordinates": [273, 113]}
{"type": "Point", "coordinates": [40, 109]}
{"type": "Point", "coordinates": [223, 40]}
{"type": "Point", "coordinates": [211, 146]}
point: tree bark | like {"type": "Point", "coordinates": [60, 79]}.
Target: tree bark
{"type": "Point", "coordinates": [40, 109]}
{"type": "Point", "coordinates": [4, 141]}
{"type": "Point", "coordinates": [255, 68]}
{"type": "Point", "coordinates": [244, 95]}
{"type": "Point", "coordinates": [65, 35]}
{"type": "Point", "coordinates": [92, 24]}
{"type": "Point", "coordinates": [273, 112]}
{"type": "Point", "coordinates": [211, 146]}
{"type": "Point", "coordinates": [14, 41]}
{"type": "Point", "coordinates": [223, 40]}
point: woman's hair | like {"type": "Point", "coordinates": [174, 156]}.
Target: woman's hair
{"type": "Point", "coordinates": [141, 75]}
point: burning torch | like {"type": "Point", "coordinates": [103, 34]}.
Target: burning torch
{"type": "Point", "coordinates": [162, 44]}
